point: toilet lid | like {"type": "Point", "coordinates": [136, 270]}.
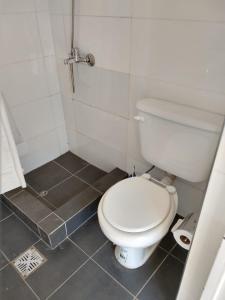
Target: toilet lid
{"type": "Point", "coordinates": [136, 205]}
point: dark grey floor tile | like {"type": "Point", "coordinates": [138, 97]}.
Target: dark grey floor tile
{"type": "Point", "coordinates": [165, 283]}
{"type": "Point", "coordinates": [52, 230]}
{"type": "Point", "coordinates": [15, 237]}
{"type": "Point", "coordinates": [77, 203]}
{"type": "Point", "coordinates": [91, 174]}
{"type": "Point", "coordinates": [71, 162]}
{"type": "Point", "coordinates": [134, 279]}
{"type": "Point", "coordinates": [61, 263]}
{"type": "Point", "coordinates": [13, 192]}
{"type": "Point", "coordinates": [46, 176]}
{"type": "Point", "coordinates": [180, 253]}
{"type": "Point", "coordinates": [110, 179]}
{"type": "Point", "coordinates": [89, 283]}
{"type": "Point", "coordinates": [4, 211]}
{"type": "Point", "coordinates": [65, 191]}
{"type": "Point", "coordinates": [168, 242]}
{"type": "Point", "coordinates": [89, 237]}
{"type": "Point", "coordinates": [3, 261]}
{"type": "Point", "coordinates": [13, 287]}
{"type": "Point", "coordinates": [30, 204]}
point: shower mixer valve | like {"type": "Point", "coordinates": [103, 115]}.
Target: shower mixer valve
{"type": "Point", "coordinates": [75, 57]}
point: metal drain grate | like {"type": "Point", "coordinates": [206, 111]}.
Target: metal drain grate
{"type": "Point", "coordinates": [29, 261]}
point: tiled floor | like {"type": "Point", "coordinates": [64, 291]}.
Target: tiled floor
{"type": "Point", "coordinates": [60, 196]}
{"type": "Point", "coordinates": [83, 267]}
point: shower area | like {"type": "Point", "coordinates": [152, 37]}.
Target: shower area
{"type": "Point", "coordinates": [71, 73]}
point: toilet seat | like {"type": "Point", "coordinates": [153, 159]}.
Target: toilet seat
{"type": "Point", "coordinates": [136, 205]}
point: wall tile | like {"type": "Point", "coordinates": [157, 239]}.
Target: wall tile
{"type": "Point", "coordinates": [108, 39]}
{"type": "Point", "coordinates": [104, 89]}
{"type": "Point", "coordinates": [197, 60]}
{"type": "Point", "coordinates": [104, 127]}
{"type": "Point", "coordinates": [180, 9]}
{"type": "Point", "coordinates": [24, 81]}
{"type": "Point", "coordinates": [100, 154]}
{"type": "Point", "coordinates": [14, 6]}
{"type": "Point", "coordinates": [57, 110]}
{"type": "Point", "coordinates": [41, 150]}
{"type": "Point", "coordinates": [45, 29]}
{"type": "Point", "coordinates": [100, 7]}
{"type": "Point", "coordinates": [41, 5]}
{"type": "Point", "coordinates": [55, 6]}
{"type": "Point", "coordinates": [146, 87]}
{"type": "Point", "coordinates": [34, 118]}
{"type": "Point", "coordinates": [52, 75]}
{"type": "Point", "coordinates": [59, 37]}
{"type": "Point", "coordinates": [19, 38]}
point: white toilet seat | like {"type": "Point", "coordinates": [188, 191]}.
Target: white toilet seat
{"type": "Point", "coordinates": [136, 205]}
{"type": "Point", "coordinates": [136, 239]}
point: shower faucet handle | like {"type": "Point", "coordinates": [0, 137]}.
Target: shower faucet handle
{"type": "Point", "coordinates": [74, 57]}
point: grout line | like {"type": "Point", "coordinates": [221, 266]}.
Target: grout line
{"type": "Point", "coordinates": [17, 193]}
{"type": "Point", "coordinates": [90, 185]}
{"type": "Point", "coordinates": [81, 223]}
{"type": "Point", "coordinates": [83, 168]}
{"type": "Point", "coordinates": [91, 258]}
{"type": "Point", "coordinates": [12, 213]}
{"type": "Point", "coordinates": [122, 286]}
{"type": "Point", "coordinates": [71, 275]}
{"type": "Point", "coordinates": [61, 182]}
{"type": "Point", "coordinates": [59, 165]}
{"type": "Point", "coordinates": [151, 276]}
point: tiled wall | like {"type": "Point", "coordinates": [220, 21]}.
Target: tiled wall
{"type": "Point", "coordinates": [29, 80]}
{"type": "Point", "coordinates": [170, 50]}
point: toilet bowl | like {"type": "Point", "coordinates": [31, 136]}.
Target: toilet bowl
{"type": "Point", "coordinates": [135, 214]}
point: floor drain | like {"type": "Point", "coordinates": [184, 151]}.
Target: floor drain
{"type": "Point", "coordinates": [43, 193]}
{"type": "Point", "coordinates": [29, 261]}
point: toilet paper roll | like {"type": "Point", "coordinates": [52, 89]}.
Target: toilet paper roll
{"type": "Point", "coordinates": [183, 230]}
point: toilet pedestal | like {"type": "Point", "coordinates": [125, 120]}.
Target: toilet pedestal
{"type": "Point", "coordinates": [133, 258]}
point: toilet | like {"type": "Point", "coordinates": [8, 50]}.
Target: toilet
{"type": "Point", "coordinates": [137, 212]}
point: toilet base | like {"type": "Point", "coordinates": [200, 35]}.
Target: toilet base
{"type": "Point", "coordinates": [133, 258]}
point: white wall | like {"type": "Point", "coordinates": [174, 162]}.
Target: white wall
{"type": "Point", "coordinates": [143, 48]}
{"type": "Point", "coordinates": [29, 80]}
{"type": "Point", "coordinates": [209, 233]}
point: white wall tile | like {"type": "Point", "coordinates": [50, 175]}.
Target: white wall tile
{"type": "Point", "coordinates": [57, 110]}
{"type": "Point", "coordinates": [45, 30]}
{"type": "Point", "coordinates": [100, 154]}
{"type": "Point", "coordinates": [62, 139]}
{"type": "Point", "coordinates": [22, 82]}
{"type": "Point", "coordinates": [104, 89]}
{"type": "Point", "coordinates": [41, 150]}
{"type": "Point", "coordinates": [52, 75]}
{"type": "Point", "coordinates": [55, 6]}
{"type": "Point", "coordinates": [104, 127]}
{"type": "Point", "coordinates": [145, 87]}
{"type": "Point", "coordinates": [211, 10]}
{"type": "Point", "coordinates": [14, 6]}
{"type": "Point", "coordinates": [108, 39]}
{"type": "Point", "coordinates": [197, 60]}
{"type": "Point", "coordinates": [34, 118]}
{"type": "Point", "coordinates": [41, 5]}
{"type": "Point", "coordinates": [19, 38]}
{"type": "Point", "coordinates": [59, 37]}
{"type": "Point", "coordinates": [100, 7]}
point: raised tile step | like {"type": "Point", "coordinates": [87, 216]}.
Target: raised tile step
{"type": "Point", "coordinates": [55, 207]}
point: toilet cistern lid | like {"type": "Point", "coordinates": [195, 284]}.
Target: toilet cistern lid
{"type": "Point", "coordinates": [136, 205]}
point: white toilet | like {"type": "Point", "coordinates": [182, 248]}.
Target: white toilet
{"type": "Point", "coordinates": [136, 213]}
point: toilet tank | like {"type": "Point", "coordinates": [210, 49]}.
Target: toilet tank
{"type": "Point", "coordinates": [178, 139]}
